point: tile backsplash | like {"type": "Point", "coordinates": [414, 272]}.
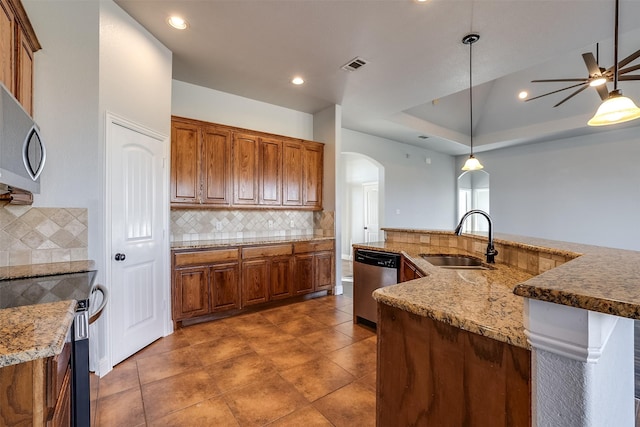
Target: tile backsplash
{"type": "Point", "coordinates": [42, 235]}
{"type": "Point", "coordinates": [194, 224]}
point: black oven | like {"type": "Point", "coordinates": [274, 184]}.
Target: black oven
{"type": "Point", "coordinates": [91, 300]}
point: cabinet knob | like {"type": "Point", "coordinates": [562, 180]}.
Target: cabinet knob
{"type": "Point", "coordinates": [120, 257]}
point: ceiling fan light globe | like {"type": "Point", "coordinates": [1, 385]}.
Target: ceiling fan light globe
{"type": "Point", "coordinates": [615, 109]}
{"type": "Point", "coordinates": [472, 164]}
{"type": "Point", "coordinates": [598, 81]}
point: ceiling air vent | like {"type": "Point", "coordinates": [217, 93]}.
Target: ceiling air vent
{"type": "Point", "coordinates": [354, 64]}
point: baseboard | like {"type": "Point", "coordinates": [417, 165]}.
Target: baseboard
{"type": "Point", "coordinates": [347, 257]}
{"type": "Point", "coordinates": [338, 290]}
{"type": "Point", "coordinates": [104, 367]}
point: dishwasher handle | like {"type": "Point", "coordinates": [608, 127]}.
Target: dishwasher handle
{"type": "Point", "coordinates": [380, 259]}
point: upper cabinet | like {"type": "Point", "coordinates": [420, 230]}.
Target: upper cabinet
{"type": "Point", "coordinates": [17, 45]}
{"type": "Point", "coordinates": [224, 167]}
{"type": "Point", "coordinates": [200, 164]}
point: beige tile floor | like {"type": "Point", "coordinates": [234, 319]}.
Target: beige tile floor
{"type": "Point", "coordinates": [303, 364]}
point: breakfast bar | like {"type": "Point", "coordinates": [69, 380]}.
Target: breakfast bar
{"type": "Point", "coordinates": [567, 306]}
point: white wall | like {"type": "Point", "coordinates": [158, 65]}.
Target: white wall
{"type": "Point", "coordinates": [424, 193]}
{"type": "Point", "coordinates": [94, 58]}
{"type": "Point", "coordinates": [582, 189]}
{"type": "Point", "coordinates": [211, 105]}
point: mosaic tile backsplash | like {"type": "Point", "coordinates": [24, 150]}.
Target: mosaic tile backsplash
{"type": "Point", "coordinates": [42, 235]}
{"type": "Point", "coordinates": [195, 224]}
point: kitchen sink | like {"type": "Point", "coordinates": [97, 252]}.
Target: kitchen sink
{"type": "Point", "coordinates": [456, 262]}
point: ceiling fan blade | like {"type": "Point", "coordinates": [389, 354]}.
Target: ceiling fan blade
{"type": "Point", "coordinates": [635, 55]}
{"type": "Point", "coordinates": [558, 80]}
{"type": "Point", "coordinates": [627, 78]}
{"type": "Point", "coordinates": [556, 91]}
{"type": "Point", "coordinates": [571, 96]}
{"type": "Point", "coordinates": [592, 65]}
{"type": "Point", "coordinates": [603, 91]}
{"type": "Point", "coordinates": [628, 70]}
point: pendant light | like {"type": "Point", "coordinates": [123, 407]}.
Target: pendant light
{"type": "Point", "coordinates": [616, 108]}
{"type": "Point", "coordinates": [472, 164]}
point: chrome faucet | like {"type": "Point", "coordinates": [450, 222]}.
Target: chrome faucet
{"type": "Point", "coordinates": [491, 251]}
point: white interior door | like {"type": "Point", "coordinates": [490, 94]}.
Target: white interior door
{"type": "Point", "coordinates": [371, 225]}
{"type": "Point", "coordinates": [137, 309]}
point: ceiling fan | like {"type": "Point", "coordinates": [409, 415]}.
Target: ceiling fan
{"type": "Point", "coordinates": [598, 77]}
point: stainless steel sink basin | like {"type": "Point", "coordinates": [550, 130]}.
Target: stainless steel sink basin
{"type": "Point", "coordinates": [455, 262]}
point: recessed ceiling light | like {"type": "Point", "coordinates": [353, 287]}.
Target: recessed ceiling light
{"type": "Point", "coordinates": [421, 1]}
{"type": "Point", "coordinates": [177, 22]}
{"type": "Point", "coordinates": [523, 94]}
{"type": "Point", "coordinates": [297, 80]}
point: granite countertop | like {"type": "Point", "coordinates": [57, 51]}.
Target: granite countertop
{"type": "Point", "coordinates": [479, 301]}
{"type": "Point", "coordinates": [599, 279]}
{"type": "Point", "coordinates": [248, 241]}
{"type": "Point", "coordinates": [32, 332]}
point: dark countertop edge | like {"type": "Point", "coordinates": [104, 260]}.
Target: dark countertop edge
{"type": "Point", "coordinates": [204, 244]}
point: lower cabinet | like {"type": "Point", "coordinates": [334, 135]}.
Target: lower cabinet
{"type": "Point", "coordinates": [208, 281]}
{"type": "Point", "coordinates": [408, 271]}
{"type": "Point", "coordinates": [38, 392]}
{"type": "Point", "coordinates": [314, 266]}
{"type": "Point", "coordinates": [205, 282]}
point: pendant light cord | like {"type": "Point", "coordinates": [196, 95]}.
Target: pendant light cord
{"type": "Point", "coordinates": [471, 96]}
{"type": "Point", "coordinates": [615, 51]}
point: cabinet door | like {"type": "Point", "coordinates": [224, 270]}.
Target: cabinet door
{"type": "Point", "coordinates": [293, 173]}
{"type": "Point", "coordinates": [185, 152]}
{"type": "Point", "coordinates": [245, 169]}
{"type": "Point", "coordinates": [280, 272]}
{"type": "Point", "coordinates": [7, 45]}
{"type": "Point", "coordinates": [255, 280]}
{"type": "Point", "coordinates": [24, 90]}
{"type": "Point", "coordinates": [324, 270]}
{"type": "Point", "coordinates": [303, 278]}
{"type": "Point", "coordinates": [191, 292]}
{"type": "Point", "coordinates": [270, 172]}
{"type": "Point", "coordinates": [61, 415]}
{"type": "Point", "coordinates": [216, 166]}
{"type": "Point", "coordinates": [225, 286]}
{"type": "Point", "coordinates": [313, 157]}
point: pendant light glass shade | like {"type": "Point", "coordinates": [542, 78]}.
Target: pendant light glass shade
{"type": "Point", "coordinates": [615, 109]}
{"type": "Point", "coordinates": [472, 164]}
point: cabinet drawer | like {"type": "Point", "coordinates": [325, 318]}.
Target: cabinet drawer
{"type": "Point", "coordinates": [205, 257]}
{"type": "Point", "coordinates": [323, 245]}
{"type": "Point", "coordinates": [266, 251]}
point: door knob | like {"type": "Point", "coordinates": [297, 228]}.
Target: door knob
{"type": "Point", "coordinates": [120, 257]}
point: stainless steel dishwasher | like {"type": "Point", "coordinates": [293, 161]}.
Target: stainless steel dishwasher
{"type": "Point", "coordinates": [371, 270]}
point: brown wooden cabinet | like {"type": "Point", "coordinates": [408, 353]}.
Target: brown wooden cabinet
{"type": "Point", "coordinates": [431, 373]}
{"type": "Point", "coordinates": [313, 171]}
{"type": "Point", "coordinates": [270, 175]}
{"type": "Point", "coordinates": [38, 392]}
{"type": "Point", "coordinates": [18, 42]}
{"type": "Point", "coordinates": [204, 282]}
{"type": "Point", "coordinates": [209, 281]}
{"type": "Point", "coordinates": [408, 271]}
{"type": "Point", "coordinates": [225, 167]}
{"type": "Point", "coordinates": [245, 169]}
{"type": "Point", "coordinates": [200, 164]}
{"type": "Point", "coordinates": [293, 173]}
{"type": "Point", "coordinates": [314, 266]}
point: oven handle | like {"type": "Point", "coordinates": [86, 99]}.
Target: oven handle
{"type": "Point", "coordinates": [105, 298]}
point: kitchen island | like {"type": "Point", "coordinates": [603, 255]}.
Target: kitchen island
{"type": "Point", "coordinates": [461, 309]}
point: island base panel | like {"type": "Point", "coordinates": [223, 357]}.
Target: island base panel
{"type": "Point", "coordinates": [431, 373]}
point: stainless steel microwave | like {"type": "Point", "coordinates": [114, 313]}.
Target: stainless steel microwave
{"type": "Point", "coordinates": [22, 152]}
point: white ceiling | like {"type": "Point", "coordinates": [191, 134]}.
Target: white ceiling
{"type": "Point", "coordinates": [253, 48]}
